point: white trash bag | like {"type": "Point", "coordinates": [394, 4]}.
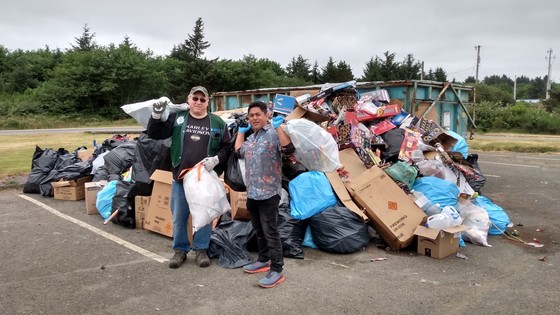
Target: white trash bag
{"type": "Point", "coordinates": [477, 219]}
{"type": "Point", "coordinates": [315, 148]}
{"type": "Point", "coordinates": [142, 111]}
{"type": "Point", "coordinates": [206, 196]}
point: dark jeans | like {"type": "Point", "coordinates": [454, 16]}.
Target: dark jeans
{"type": "Point", "coordinates": [264, 217]}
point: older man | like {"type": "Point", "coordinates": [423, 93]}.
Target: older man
{"type": "Point", "coordinates": [196, 135]}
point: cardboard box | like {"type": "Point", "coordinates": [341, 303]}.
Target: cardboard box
{"type": "Point", "coordinates": [70, 189]}
{"type": "Point", "coordinates": [340, 190]}
{"type": "Point", "coordinates": [437, 243]}
{"type": "Point", "coordinates": [300, 112]}
{"type": "Point", "coordinates": [141, 204]}
{"type": "Point", "coordinates": [86, 154]}
{"type": "Point", "coordinates": [238, 202]}
{"type": "Point", "coordinates": [284, 104]}
{"type": "Point", "coordinates": [393, 213]}
{"type": "Point", "coordinates": [158, 217]}
{"type": "Point", "coordinates": [92, 188]}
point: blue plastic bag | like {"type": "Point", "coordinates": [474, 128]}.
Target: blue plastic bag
{"type": "Point", "coordinates": [105, 199]}
{"type": "Point", "coordinates": [310, 193]}
{"type": "Point", "coordinates": [497, 215]}
{"type": "Point", "coordinates": [461, 145]}
{"type": "Point", "coordinates": [437, 190]}
{"type": "Point", "coordinates": [308, 239]}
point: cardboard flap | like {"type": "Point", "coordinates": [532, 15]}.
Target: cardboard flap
{"type": "Point", "coordinates": [63, 183]}
{"type": "Point", "coordinates": [456, 229]}
{"type": "Point", "coordinates": [162, 176]}
{"type": "Point", "coordinates": [426, 232]}
{"type": "Point", "coordinates": [351, 162]}
{"type": "Point", "coordinates": [344, 196]}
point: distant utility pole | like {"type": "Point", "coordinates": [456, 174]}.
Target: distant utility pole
{"type": "Point", "coordinates": [515, 88]}
{"type": "Point", "coordinates": [549, 58]}
{"type": "Point", "coordinates": [477, 61]}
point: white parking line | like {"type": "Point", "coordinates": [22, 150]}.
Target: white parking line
{"type": "Point", "coordinates": [95, 230]}
{"type": "Point", "coordinates": [508, 164]}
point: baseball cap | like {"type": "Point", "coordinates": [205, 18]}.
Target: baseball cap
{"type": "Point", "coordinates": [199, 89]}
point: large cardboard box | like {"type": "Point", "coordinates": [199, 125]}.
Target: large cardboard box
{"type": "Point", "coordinates": [92, 188]}
{"type": "Point", "coordinates": [437, 243]}
{"type": "Point", "coordinates": [393, 213]}
{"type": "Point", "coordinates": [141, 204]}
{"type": "Point", "coordinates": [70, 189]}
{"type": "Point", "coordinates": [158, 217]}
{"type": "Point", "coordinates": [238, 202]}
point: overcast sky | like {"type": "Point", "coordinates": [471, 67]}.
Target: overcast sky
{"type": "Point", "coordinates": [514, 35]}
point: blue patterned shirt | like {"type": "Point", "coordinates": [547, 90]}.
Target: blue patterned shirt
{"type": "Point", "coordinates": [263, 164]}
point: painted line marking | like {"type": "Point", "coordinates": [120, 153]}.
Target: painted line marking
{"type": "Point", "coordinates": [521, 157]}
{"type": "Point", "coordinates": [102, 233]}
{"type": "Point", "coordinates": [508, 164]}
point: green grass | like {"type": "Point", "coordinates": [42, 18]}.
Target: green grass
{"type": "Point", "coordinates": [70, 121]}
{"type": "Point", "coordinates": [17, 151]}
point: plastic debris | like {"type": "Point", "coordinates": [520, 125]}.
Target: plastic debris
{"type": "Point", "coordinates": [461, 256]}
{"type": "Point", "coordinates": [378, 259]}
{"type": "Point", "coordinates": [543, 258]}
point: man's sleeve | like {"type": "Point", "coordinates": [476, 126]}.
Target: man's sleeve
{"type": "Point", "coordinates": [158, 129]}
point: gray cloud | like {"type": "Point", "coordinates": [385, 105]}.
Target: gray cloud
{"type": "Point", "coordinates": [514, 35]}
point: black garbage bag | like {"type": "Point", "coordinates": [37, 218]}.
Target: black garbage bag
{"type": "Point", "coordinates": [338, 230]}
{"type": "Point", "coordinates": [478, 180]}
{"type": "Point", "coordinates": [233, 175]}
{"type": "Point", "coordinates": [42, 166]}
{"type": "Point", "coordinates": [73, 171]}
{"type": "Point", "coordinates": [101, 174]}
{"type": "Point", "coordinates": [229, 242]}
{"type": "Point", "coordinates": [393, 138]}
{"type": "Point", "coordinates": [292, 233]}
{"type": "Point", "coordinates": [119, 160]}
{"type": "Point", "coordinates": [126, 216]}
{"type": "Point", "coordinates": [149, 155]}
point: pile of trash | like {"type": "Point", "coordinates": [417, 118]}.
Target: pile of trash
{"type": "Point", "coordinates": [360, 159]}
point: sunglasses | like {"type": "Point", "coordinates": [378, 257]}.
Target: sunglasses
{"type": "Point", "coordinates": [202, 100]}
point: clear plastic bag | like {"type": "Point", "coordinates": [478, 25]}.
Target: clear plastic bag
{"type": "Point", "coordinates": [206, 196]}
{"type": "Point", "coordinates": [315, 148]}
{"type": "Point", "coordinates": [477, 219]}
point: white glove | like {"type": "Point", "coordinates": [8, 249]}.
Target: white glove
{"type": "Point", "coordinates": [210, 162]}
{"type": "Point", "coordinates": [158, 109]}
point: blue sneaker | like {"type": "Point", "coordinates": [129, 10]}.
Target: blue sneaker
{"type": "Point", "coordinates": [271, 279]}
{"type": "Point", "coordinates": [257, 266]}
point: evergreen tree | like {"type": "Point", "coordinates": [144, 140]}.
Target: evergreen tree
{"type": "Point", "coordinates": [315, 74]}
{"type": "Point", "coordinates": [329, 72]}
{"type": "Point", "coordinates": [343, 72]}
{"type": "Point", "coordinates": [299, 68]}
{"type": "Point", "coordinates": [440, 75]}
{"type": "Point", "coordinates": [372, 71]}
{"type": "Point", "coordinates": [389, 68]}
{"type": "Point", "coordinates": [86, 41]}
{"type": "Point", "coordinates": [410, 68]}
{"type": "Point", "coordinates": [193, 47]}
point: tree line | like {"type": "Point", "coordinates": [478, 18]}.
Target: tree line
{"type": "Point", "coordinates": [90, 79]}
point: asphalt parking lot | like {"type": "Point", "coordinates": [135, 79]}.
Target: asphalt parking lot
{"type": "Point", "coordinates": [55, 259]}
